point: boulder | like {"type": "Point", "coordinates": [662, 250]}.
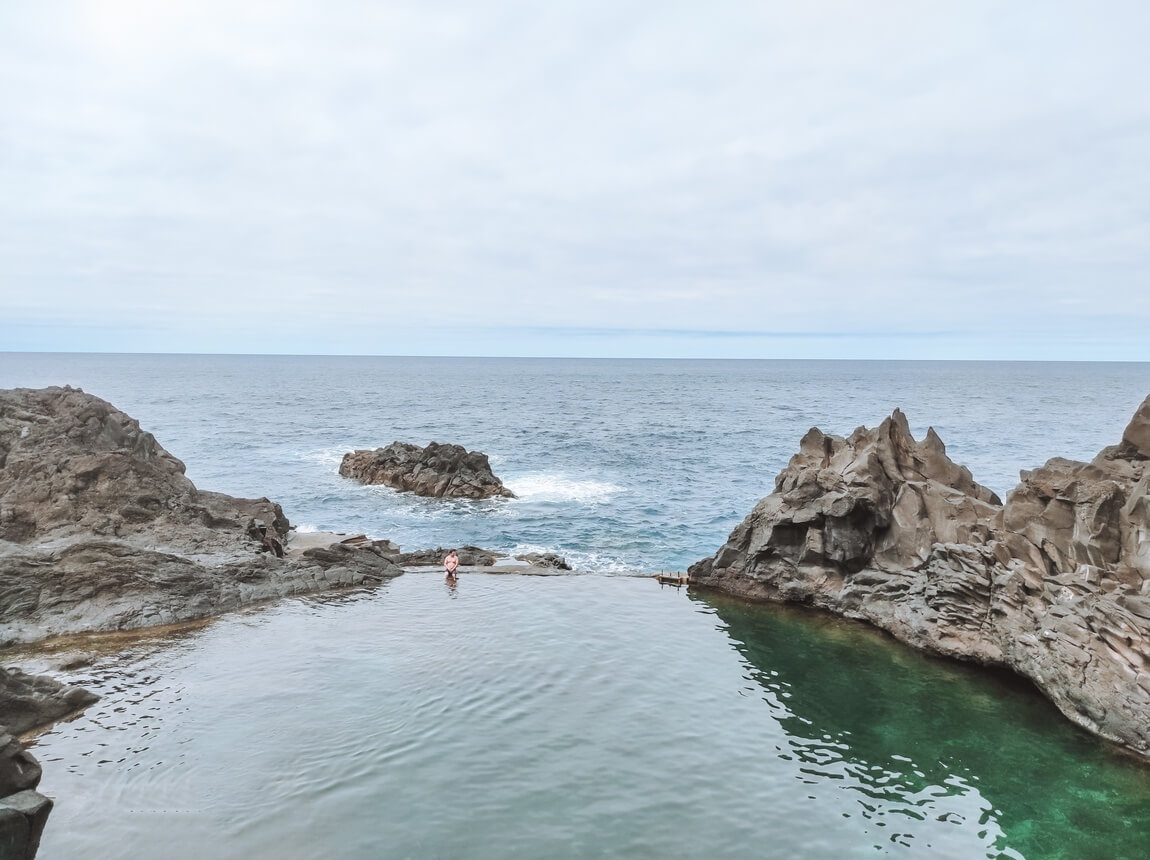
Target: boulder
{"type": "Point", "coordinates": [440, 471]}
{"type": "Point", "coordinates": [1055, 584]}
{"type": "Point", "coordinates": [545, 559]}
{"type": "Point", "coordinates": [22, 819]}
{"type": "Point", "coordinates": [30, 701]}
{"type": "Point", "coordinates": [101, 530]}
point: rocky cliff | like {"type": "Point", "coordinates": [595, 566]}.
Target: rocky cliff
{"type": "Point", "coordinates": [101, 530]}
{"type": "Point", "coordinates": [440, 471]}
{"type": "Point", "coordinates": [1055, 584]}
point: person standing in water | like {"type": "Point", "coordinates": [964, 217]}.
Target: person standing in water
{"type": "Point", "coordinates": [450, 563]}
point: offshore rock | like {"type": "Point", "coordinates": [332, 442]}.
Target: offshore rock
{"type": "Point", "coordinates": [1055, 584]}
{"type": "Point", "coordinates": [440, 471]}
{"type": "Point", "coordinates": [100, 529]}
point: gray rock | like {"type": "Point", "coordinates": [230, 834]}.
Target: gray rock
{"type": "Point", "coordinates": [30, 701]}
{"type": "Point", "coordinates": [441, 471]}
{"type": "Point", "coordinates": [1054, 584]}
{"type": "Point", "coordinates": [72, 464]}
{"type": "Point", "coordinates": [15, 834]}
{"type": "Point", "coordinates": [19, 770]}
{"type": "Point", "coordinates": [545, 559]}
{"type": "Point", "coordinates": [100, 530]}
{"type": "Point", "coordinates": [22, 819]}
{"type": "Point", "coordinates": [27, 702]}
{"type": "Point", "coordinates": [469, 556]}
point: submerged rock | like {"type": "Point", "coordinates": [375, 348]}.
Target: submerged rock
{"type": "Point", "coordinates": [440, 471]}
{"type": "Point", "coordinates": [1055, 584]}
{"type": "Point", "coordinates": [100, 529]}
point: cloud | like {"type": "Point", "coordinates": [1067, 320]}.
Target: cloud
{"type": "Point", "coordinates": [608, 167]}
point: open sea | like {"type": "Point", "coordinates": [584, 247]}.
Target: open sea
{"type": "Point", "coordinates": [588, 715]}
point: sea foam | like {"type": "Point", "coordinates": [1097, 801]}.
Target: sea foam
{"type": "Point", "coordinates": [551, 487]}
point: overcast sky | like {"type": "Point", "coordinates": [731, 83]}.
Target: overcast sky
{"type": "Point", "coordinates": [762, 179]}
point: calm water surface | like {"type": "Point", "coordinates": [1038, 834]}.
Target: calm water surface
{"type": "Point", "coordinates": [570, 716]}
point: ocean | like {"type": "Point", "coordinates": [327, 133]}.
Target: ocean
{"type": "Point", "coordinates": [595, 714]}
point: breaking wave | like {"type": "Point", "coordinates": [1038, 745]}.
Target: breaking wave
{"type": "Point", "coordinates": [547, 487]}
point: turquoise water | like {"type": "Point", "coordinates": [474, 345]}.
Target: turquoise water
{"type": "Point", "coordinates": [587, 715]}
{"type": "Point", "coordinates": [573, 716]}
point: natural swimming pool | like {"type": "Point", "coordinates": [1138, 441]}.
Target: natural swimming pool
{"type": "Point", "coordinates": [569, 716]}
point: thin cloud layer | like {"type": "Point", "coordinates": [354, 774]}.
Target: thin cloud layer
{"type": "Point", "coordinates": [879, 180]}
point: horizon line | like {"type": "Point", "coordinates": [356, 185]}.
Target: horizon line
{"type": "Point", "coordinates": [872, 359]}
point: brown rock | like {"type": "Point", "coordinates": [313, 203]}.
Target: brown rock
{"type": "Point", "coordinates": [101, 530]}
{"type": "Point", "coordinates": [440, 471]}
{"type": "Point", "coordinates": [1053, 585]}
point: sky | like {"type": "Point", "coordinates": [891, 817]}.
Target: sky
{"type": "Point", "coordinates": [950, 180]}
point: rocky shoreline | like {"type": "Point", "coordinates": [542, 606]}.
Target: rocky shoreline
{"type": "Point", "coordinates": [101, 531]}
{"type": "Point", "coordinates": [1053, 585]}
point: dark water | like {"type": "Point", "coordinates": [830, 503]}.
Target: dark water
{"type": "Point", "coordinates": [587, 715]}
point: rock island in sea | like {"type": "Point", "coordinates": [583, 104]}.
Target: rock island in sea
{"type": "Point", "coordinates": [439, 471]}
{"type": "Point", "coordinates": [1054, 584]}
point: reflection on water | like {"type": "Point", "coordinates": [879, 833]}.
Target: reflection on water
{"type": "Point", "coordinates": [907, 734]}
{"type": "Point", "coordinates": [568, 716]}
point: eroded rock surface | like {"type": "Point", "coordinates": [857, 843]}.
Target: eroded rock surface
{"type": "Point", "coordinates": [1055, 584]}
{"type": "Point", "coordinates": [101, 530]}
{"type": "Point", "coordinates": [441, 471]}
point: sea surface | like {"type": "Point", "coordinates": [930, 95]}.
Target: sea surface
{"type": "Point", "coordinates": [592, 714]}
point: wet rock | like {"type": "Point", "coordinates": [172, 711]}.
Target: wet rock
{"type": "Point", "coordinates": [545, 559]}
{"type": "Point", "coordinates": [30, 701]}
{"type": "Point", "coordinates": [1054, 584]}
{"type": "Point", "coordinates": [22, 819]}
{"type": "Point", "coordinates": [19, 770]}
{"type": "Point", "coordinates": [27, 702]}
{"type": "Point", "coordinates": [440, 471]}
{"type": "Point", "coordinates": [469, 556]}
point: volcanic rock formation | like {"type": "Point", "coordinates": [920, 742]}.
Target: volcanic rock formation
{"type": "Point", "coordinates": [101, 530]}
{"type": "Point", "coordinates": [1054, 585]}
{"type": "Point", "coordinates": [441, 471]}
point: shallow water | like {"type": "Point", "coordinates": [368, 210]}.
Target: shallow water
{"type": "Point", "coordinates": [569, 716]}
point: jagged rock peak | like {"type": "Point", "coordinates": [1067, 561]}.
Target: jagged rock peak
{"type": "Point", "coordinates": [1054, 585]}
